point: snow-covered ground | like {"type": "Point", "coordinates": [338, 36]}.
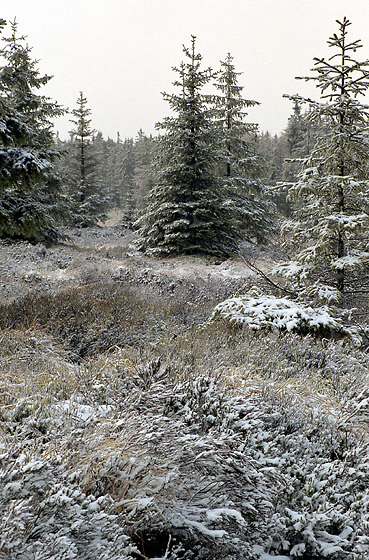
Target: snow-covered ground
{"type": "Point", "coordinates": [94, 254]}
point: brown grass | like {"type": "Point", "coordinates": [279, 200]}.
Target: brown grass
{"type": "Point", "coordinates": [91, 319]}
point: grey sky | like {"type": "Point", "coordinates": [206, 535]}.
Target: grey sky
{"type": "Point", "coordinates": [120, 52]}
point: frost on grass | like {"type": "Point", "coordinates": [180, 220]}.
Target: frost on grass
{"type": "Point", "coordinates": [257, 311]}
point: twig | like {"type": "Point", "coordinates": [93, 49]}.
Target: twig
{"type": "Point", "coordinates": [254, 268]}
{"type": "Point", "coordinates": [363, 331]}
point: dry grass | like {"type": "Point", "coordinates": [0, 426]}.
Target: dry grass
{"type": "Point", "coordinates": [33, 367]}
{"type": "Point", "coordinates": [91, 319]}
{"type": "Point", "coordinates": [166, 445]}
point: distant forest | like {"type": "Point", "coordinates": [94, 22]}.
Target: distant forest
{"type": "Point", "coordinates": [122, 167]}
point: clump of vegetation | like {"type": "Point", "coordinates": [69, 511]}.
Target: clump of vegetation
{"type": "Point", "coordinates": [257, 311]}
{"type": "Point", "coordinates": [94, 318]}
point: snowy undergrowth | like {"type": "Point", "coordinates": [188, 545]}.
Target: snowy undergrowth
{"type": "Point", "coordinates": [228, 445]}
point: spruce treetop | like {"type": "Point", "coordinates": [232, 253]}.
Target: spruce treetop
{"type": "Point", "coordinates": [231, 91]}
{"type": "Point", "coordinates": [341, 77]}
{"type": "Point", "coordinates": [82, 121]}
{"type": "Point", "coordinates": [19, 81]}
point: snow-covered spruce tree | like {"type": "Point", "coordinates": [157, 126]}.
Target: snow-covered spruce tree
{"type": "Point", "coordinates": [186, 212]}
{"type": "Point", "coordinates": [240, 165]}
{"type": "Point", "coordinates": [87, 194]}
{"type": "Point", "coordinates": [298, 139]}
{"type": "Point", "coordinates": [127, 168]}
{"type": "Point", "coordinates": [145, 148]}
{"type": "Point", "coordinates": [330, 232]}
{"type": "Point", "coordinates": [29, 187]}
{"type": "Point", "coordinates": [273, 150]}
{"type": "Point", "coordinates": [109, 168]}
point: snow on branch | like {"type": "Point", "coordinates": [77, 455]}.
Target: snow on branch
{"type": "Point", "coordinates": [257, 311]}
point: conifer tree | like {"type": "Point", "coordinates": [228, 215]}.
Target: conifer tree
{"type": "Point", "coordinates": [296, 142]}
{"type": "Point", "coordinates": [273, 150]}
{"type": "Point", "coordinates": [88, 197]}
{"type": "Point", "coordinates": [29, 197]}
{"type": "Point", "coordinates": [292, 145]}
{"type": "Point", "coordinates": [100, 155]}
{"type": "Point", "coordinates": [301, 136]}
{"type": "Point", "coordinates": [127, 175]}
{"type": "Point", "coordinates": [112, 157]}
{"type": "Point", "coordinates": [296, 132]}
{"type": "Point", "coordinates": [145, 148]}
{"type": "Point", "coordinates": [240, 164]}
{"type": "Point", "coordinates": [331, 233]}
{"type": "Point", "coordinates": [186, 212]}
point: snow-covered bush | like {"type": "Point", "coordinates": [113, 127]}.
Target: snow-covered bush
{"type": "Point", "coordinates": [44, 514]}
{"type": "Point", "coordinates": [257, 311]}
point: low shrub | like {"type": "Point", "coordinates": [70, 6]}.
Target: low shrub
{"type": "Point", "coordinates": [257, 311]}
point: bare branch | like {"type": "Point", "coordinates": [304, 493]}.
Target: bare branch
{"type": "Point", "coordinates": [257, 270]}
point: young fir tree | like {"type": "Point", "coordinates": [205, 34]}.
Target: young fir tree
{"type": "Point", "coordinates": [29, 187]}
{"type": "Point", "coordinates": [88, 197]}
{"type": "Point", "coordinates": [240, 166]}
{"type": "Point", "coordinates": [186, 212]}
{"type": "Point", "coordinates": [145, 148]}
{"type": "Point", "coordinates": [127, 184]}
{"type": "Point", "coordinates": [111, 162]}
{"type": "Point", "coordinates": [330, 232]}
{"type": "Point", "coordinates": [301, 135]}
{"type": "Point", "coordinates": [99, 154]}
{"type": "Point", "coordinates": [292, 145]}
{"type": "Point", "coordinates": [270, 149]}
{"type": "Point", "coordinates": [296, 142]}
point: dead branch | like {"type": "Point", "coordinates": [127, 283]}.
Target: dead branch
{"type": "Point", "coordinates": [257, 270]}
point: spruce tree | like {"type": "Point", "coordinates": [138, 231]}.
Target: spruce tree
{"type": "Point", "coordinates": [127, 175]}
{"type": "Point", "coordinates": [301, 135]}
{"type": "Point", "coordinates": [296, 134]}
{"type": "Point", "coordinates": [145, 148]}
{"type": "Point", "coordinates": [88, 196]}
{"type": "Point", "coordinates": [29, 187]}
{"type": "Point", "coordinates": [186, 212]}
{"type": "Point", "coordinates": [112, 174]}
{"type": "Point", "coordinates": [240, 165]}
{"type": "Point", "coordinates": [295, 144]}
{"type": "Point", "coordinates": [330, 232]}
{"type": "Point", "coordinates": [273, 150]}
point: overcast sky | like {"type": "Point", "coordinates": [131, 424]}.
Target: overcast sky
{"type": "Point", "coordinates": [120, 53]}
